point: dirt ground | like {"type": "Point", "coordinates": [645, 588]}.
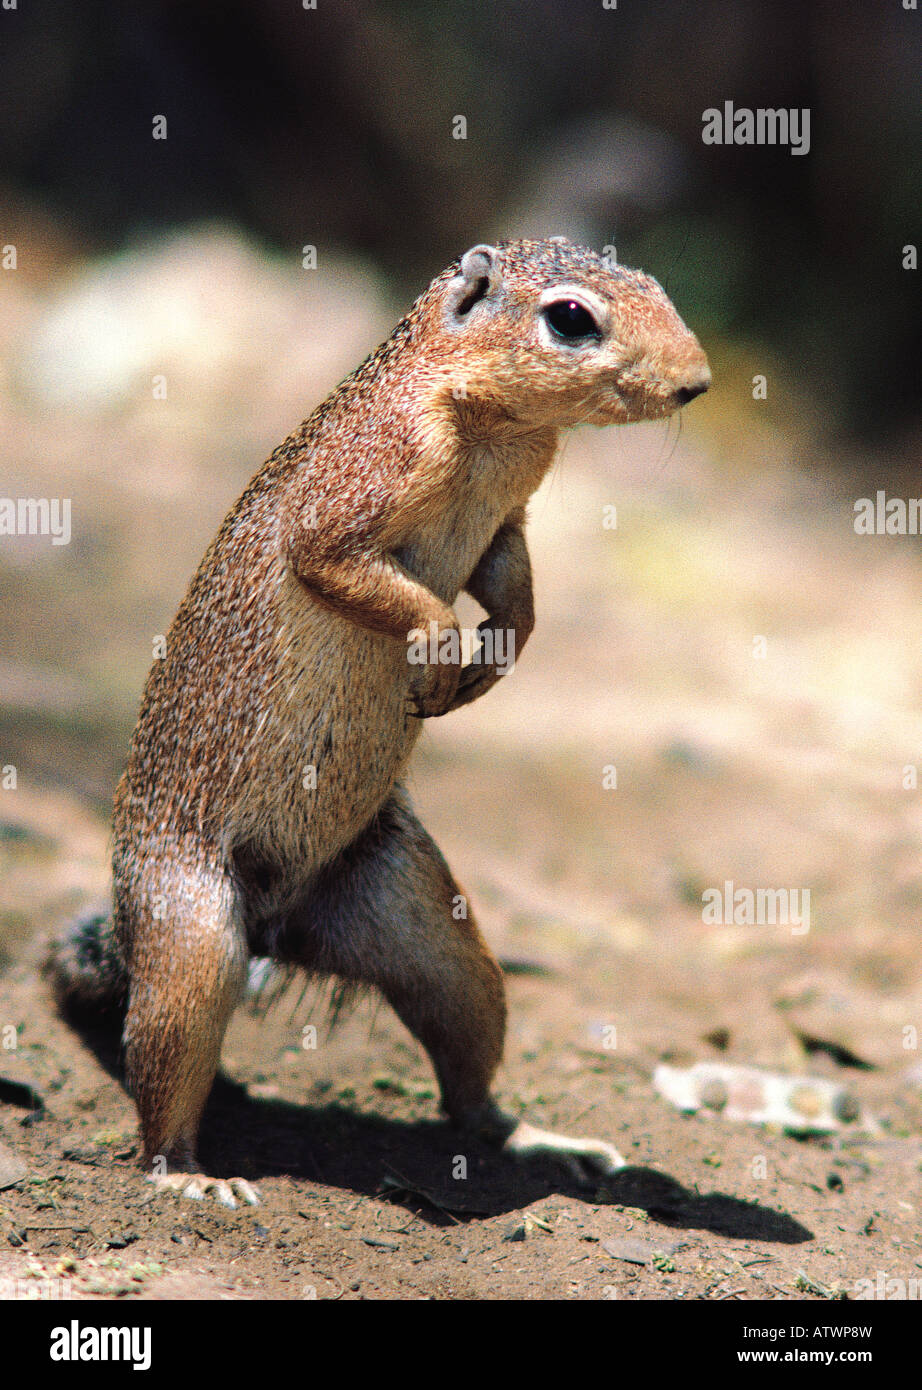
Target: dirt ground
{"type": "Point", "coordinates": [782, 769]}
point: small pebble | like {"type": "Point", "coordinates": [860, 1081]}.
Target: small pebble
{"type": "Point", "coordinates": [714, 1095]}
{"type": "Point", "coordinates": [12, 1168]}
{"type": "Point", "coordinates": [806, 1102]}
{"type": "Point", "coordinates": [846, 1108]}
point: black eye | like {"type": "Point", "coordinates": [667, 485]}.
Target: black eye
{"type": "Point", "coordinates": [569, 319]}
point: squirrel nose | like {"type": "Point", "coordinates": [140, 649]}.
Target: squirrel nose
{"type": "Point", "coordinates": [694, 388]}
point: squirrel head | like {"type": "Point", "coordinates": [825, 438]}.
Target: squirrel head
{"type": "Point", "coordinates": [547, 333]}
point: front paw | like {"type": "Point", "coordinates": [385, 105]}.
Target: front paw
{"type": "Point", "coordinates": [475, 681]}
{"type": "Point", "coordinates": [494, 659]}
{"type": "Point", "coordinates": [433, 689]}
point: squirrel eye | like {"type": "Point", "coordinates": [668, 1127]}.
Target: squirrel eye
{"type": "Point", "coordinates": [569, 319]}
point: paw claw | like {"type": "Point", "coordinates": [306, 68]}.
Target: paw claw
{"type": "Point", "coordinates": [246, 1192]}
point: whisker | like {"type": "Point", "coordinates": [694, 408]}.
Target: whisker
{"type": "Point", "coordinates": [675, 261]}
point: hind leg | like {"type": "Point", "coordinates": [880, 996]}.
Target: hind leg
{"type": "Point", "coordinates": [187, 956]}
{"type": "Point", "coordinates": [389, 913]}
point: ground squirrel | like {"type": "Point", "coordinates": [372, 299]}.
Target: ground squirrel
{"type": "Point", "coordinates": [261, 812]}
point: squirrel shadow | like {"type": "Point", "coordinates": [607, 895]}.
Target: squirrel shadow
{"type": "Point", "coordinates": [412, 1162]}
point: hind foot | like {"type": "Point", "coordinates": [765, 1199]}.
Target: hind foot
{"type": "Point", "coordinates": [587, 1160]}
{"type": "Point", "coordinates": [199, 1185]}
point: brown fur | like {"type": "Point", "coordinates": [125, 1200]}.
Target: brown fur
{"type": "Point", "coordinates": [290, 649]}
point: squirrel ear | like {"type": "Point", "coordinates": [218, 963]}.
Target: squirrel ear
{"type": "Point", "coordinates": [478, 275]}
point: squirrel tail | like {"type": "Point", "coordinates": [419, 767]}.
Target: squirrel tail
{"type": "Point", "coordinates": [86, 966]}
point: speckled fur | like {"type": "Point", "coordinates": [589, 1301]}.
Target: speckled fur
{"type": "Point", "coordinates": [407, 485]}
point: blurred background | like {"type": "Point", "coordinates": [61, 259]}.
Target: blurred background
{"type": "Point", "coordinates": [159, 335]}
{"type": "Point", "coordinates": [333, 126]}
